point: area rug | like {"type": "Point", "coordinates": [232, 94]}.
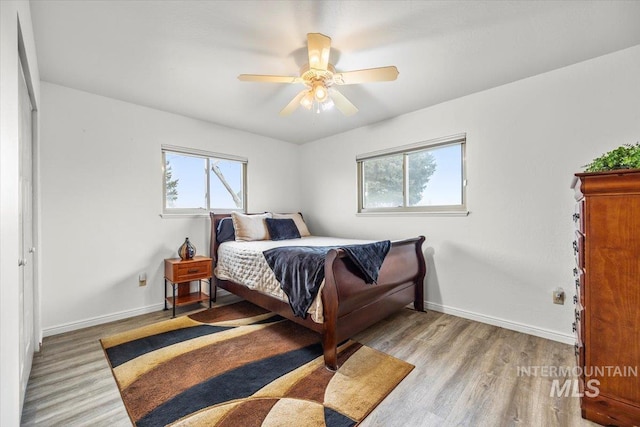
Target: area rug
{"type": "Point", "coordinates": [240, 365]}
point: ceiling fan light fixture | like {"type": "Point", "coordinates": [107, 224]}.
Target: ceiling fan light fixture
{"type": "Point", "coordinates": [320, 92]}
{"type": "Point", "coordinates": [327, 105]}
{"type": "Point", "coordinates": [307, 100]}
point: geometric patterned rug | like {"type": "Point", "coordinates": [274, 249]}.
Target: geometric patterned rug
{"type": "Point", "coordinates": [240, 365]}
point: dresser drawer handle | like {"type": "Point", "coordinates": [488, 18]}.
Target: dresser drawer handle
{"type": "Point", "coordinates": [577, 283]}
{"type": "Point", "coordinates": [574, 326]}
{"type": "Point", "coordinates": [575, 299]}
{"type": "Point", "coordinates": [575, 271]}
{"type": "Point", "coordinates": [578, 316]}
{"type": "Point", "coordinates": [193, 271]}
{"type": "Point", "coordinates": [575, 247]}
{"type": "Point", "coordinates": [576, 217]}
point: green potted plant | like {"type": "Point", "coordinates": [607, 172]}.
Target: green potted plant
{"type": "Point", "coordinates": [624, 157]}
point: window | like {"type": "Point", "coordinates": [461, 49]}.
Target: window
{"type": "Point", "coordinates": [423, 177]}
{"type": "Point", "coordinates": [196, 182]}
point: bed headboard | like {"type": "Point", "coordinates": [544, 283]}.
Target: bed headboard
{"type": "Point", "coordinates": [213, 242]}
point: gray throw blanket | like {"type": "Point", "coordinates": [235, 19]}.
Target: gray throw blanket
{"type": "Point", "coordinates": [300, 269]}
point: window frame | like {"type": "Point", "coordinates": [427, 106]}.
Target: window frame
{"type": "Point", "coordinates": [405, 151]}
{"type": "Point", "coordinates": [207, 155]}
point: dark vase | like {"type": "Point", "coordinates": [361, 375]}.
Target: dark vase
{"type": "Point", "coordinates": [187, 250]}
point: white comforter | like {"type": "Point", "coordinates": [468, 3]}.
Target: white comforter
{"type": "Point", "coordinates": [244, 263]}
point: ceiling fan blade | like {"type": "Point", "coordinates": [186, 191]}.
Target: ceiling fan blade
{"type": "Point", "coordinates": [268, 79]}
{"type": "Point", "coordinates": [343, 104]}
{"type": "Point", "coordinates": [382, 74]}
{"type": "Point", "coordinates": [291, 106]}
{"type": "Point", "coordinates": [319, 47]}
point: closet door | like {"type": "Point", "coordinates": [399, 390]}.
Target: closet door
{"type": "Point", "coordinates": [27, 249]}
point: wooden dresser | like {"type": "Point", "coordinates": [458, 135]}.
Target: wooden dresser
{"type": "Point", "coordinates": [607, 273]}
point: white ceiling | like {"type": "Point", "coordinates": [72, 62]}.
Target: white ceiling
{"type": "Point", "coordinates": [185, 56]}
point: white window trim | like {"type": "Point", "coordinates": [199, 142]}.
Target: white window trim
{"type": "Point", "coordinates": [440, 210]}
{"type": "Point", "coordinates": [197, 213]}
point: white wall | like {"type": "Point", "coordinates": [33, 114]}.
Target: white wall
{"type": "Point", "coordinates": [525, 141]}
{"type": "Point", "coordinates": [11, 12]}
{"type": "Point", "coordinates": [102, 196]}
{"type": "Point", "coordinates": [101, 193]}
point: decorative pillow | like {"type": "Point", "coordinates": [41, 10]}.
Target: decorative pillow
{"type": "Point", "coordinates": [297, 218]}
{"type": "Point", "coordinates": [225, 231]}
{"type": "Point", "coordinates": [282, 229]}
{"type": "Point", "coordinates": [250, 227]}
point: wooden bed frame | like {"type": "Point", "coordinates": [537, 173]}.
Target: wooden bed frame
{"type": "Point", "coordinates": [350, 305]}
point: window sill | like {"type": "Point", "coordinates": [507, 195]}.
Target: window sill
{"type": "Point", "coordinates": [202, 213]}
{"type": "Point", "coordinates": [422, 213]}
{"type": "Point", "coordinates": [184, 215]}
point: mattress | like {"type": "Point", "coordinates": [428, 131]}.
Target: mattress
{"type": "Point", "coordinates": [244, 263]}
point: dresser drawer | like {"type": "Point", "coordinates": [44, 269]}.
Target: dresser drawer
{"type": "Point", "coordinates": [577, 330]}
{"type": "Point", "coordinates": [578, 217]}
{"type": "Point", "coordinates": [578, 249]}
{"type": "Point", "coordinates": [578, 277]}
{"type": "Point", "coordinates": [578, 312]}
{"type": "Point", "coordinates": [579, 353]}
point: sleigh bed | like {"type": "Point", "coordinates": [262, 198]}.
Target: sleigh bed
{"type": "Point", "coordinates": [346, 304]}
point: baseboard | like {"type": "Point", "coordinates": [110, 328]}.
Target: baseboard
{"type": "Point", "coordinates": [495, 321]}
{"type": "Point", "coordinates": [507, 324]}
{"type": "Point", "coordinates": [72, 326]}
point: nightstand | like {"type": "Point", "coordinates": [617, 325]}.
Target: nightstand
{"type": "Point", "coordinates": [179, 274]}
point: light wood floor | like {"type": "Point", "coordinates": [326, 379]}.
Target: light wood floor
{"type": "Point", "coordinates": [466, 375]}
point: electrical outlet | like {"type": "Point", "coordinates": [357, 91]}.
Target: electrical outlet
{"type": "Point", "coordinates": [558, 296]}
{"type": "Point", "coordinates": [142, 279]}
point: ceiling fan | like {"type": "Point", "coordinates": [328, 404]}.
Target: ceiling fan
{"type": "Point", "coordinates": [319, 78]}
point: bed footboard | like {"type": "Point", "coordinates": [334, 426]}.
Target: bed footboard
{"type": "Point", "coordinates": [350, 305]}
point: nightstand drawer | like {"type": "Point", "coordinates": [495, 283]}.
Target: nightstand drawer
{"type": "Point", "coordinates": [193, 269]}
{"type": "Point", "coordinates": [178, 271]}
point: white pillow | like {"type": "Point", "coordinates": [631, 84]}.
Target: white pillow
{"type": "Point", "coordinates": [297, 218]}
{"type": "Point", "coordinates": [250, 227]}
